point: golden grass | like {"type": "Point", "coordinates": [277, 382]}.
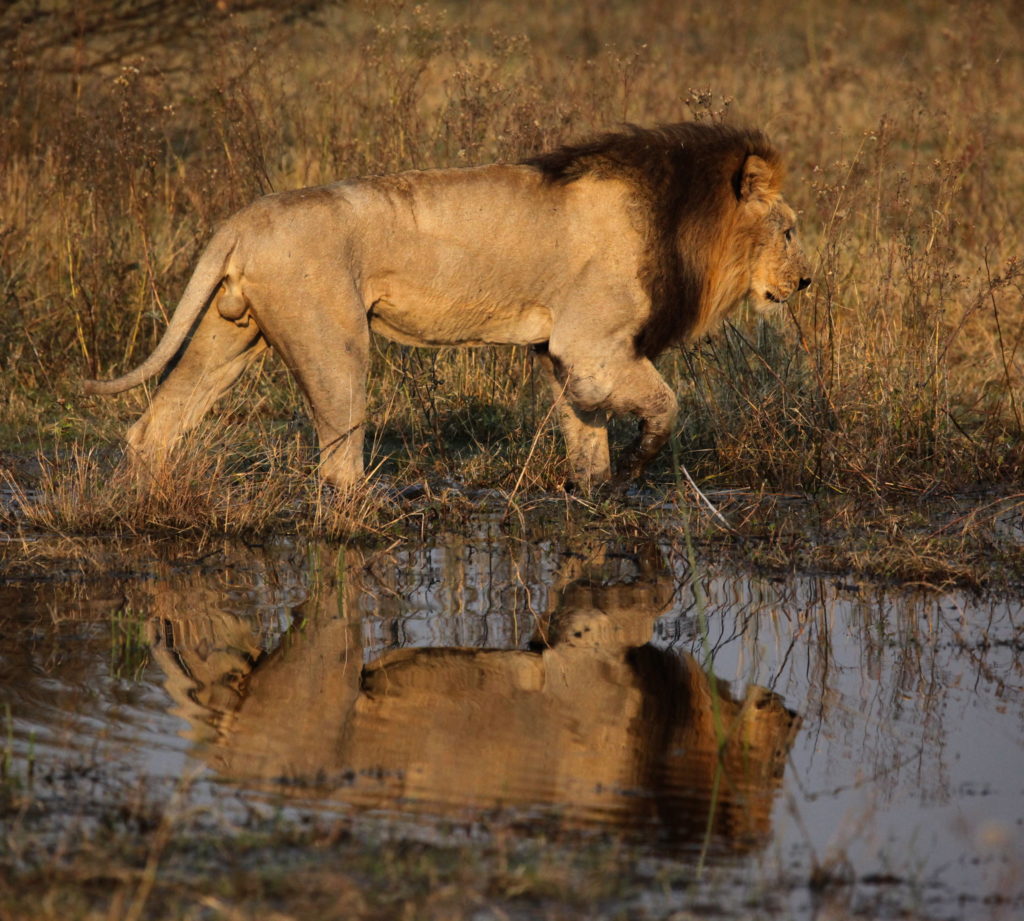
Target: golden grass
{"type": "Point", "coordinates": [898, 373]}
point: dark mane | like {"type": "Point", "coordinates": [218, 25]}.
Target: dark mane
{"type": "Point", "coordinates": [685, 176]}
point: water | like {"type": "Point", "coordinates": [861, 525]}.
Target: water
{"type": "Point", "coordinates": [768, 731]}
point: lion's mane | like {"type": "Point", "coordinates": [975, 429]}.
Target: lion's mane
{"type": "Point", "coordinates": [686, 178]}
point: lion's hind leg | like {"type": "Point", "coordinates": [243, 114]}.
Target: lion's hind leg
{"type": "Point", "coordinates": [329, 355]}
{"type": "Point", "coordinates": [210, 362]}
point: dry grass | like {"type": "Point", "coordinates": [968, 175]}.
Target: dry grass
{"type": "Point", "coordinates": [899, 374]}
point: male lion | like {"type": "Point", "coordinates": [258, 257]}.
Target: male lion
{"type": "Point", "coordinates": [598, 255]}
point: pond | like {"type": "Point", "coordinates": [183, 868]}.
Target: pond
{"type": "Point", "coordinates": [744, 745]}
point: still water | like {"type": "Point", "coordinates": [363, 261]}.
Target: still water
{"type": "Point", "coordinates": [776, 729]}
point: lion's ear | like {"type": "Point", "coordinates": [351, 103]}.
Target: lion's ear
{"type": "Point", "coordinates": [756, 180]}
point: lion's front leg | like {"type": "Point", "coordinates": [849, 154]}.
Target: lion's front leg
{"type": "Point", "coordinates": [624, 385]}
{"type": "Point", "coordinates": [585, 432]}
{"type": "Point", "coordinates": [648, 396]}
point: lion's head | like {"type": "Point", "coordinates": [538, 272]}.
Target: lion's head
{"type": "Point", "coordinates": [719, 229]}
{"type": "Point", "coordinates": [770, 262]}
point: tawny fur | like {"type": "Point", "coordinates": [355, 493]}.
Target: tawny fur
{"type": "Point", "coordinates": [600, 255]}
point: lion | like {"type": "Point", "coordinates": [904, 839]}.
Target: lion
{"type": "Point", "coordinates": [598, 255]}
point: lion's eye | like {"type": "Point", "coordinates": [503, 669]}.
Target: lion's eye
{"type": "Point", "coordinates": [789, 234]}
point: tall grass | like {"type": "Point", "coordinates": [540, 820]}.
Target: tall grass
{"type": "Point", "coordinates": [899, 370]}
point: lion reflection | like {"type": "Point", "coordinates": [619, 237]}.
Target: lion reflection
{"type": "Point", "coordinates": [593, 725]}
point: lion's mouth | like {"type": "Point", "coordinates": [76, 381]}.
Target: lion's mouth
{"type": "Point", "coordinates": [766, 301]}
{"type": "Point", "coordinates": [776, 297]}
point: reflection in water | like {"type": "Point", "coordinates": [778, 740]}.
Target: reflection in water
{"type": "Point", "coordinates": [533, 685]}
{"type": "Point", "coordinates": [588, 722]}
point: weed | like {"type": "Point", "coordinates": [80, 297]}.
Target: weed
{"type": "Point", "coordinates": [129, 648]}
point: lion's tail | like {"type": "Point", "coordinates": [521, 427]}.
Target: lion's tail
{"type": "Point", "coordinates": [209, 273]}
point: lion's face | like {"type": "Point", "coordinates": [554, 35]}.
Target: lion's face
{"type": "Point", "coordinates": [779, 267]}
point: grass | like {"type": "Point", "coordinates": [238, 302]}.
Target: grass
{"type": "Point", "coordinates": [895, 380]}
{"type": "Point", "coordinates": [263, 867]}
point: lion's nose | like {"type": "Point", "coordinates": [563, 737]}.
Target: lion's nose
{"type": "Point", "coordinates": [804, 282]}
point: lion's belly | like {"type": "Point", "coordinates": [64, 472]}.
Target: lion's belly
{"type": "Point", "coordinates": [419, 322]}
